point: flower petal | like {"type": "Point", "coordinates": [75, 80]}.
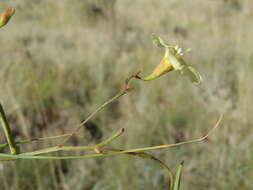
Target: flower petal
{"type": "Point", "coordinates": [158, 42]}
{"type": "Point", "coordinates": [192, 74]}
{"type": "Point", "coordinates": [178, 63]}
{"type": "Point", "coordinates": [163, 67]}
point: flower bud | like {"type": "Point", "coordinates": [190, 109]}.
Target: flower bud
{"type": "Point", "coordinates": [6, 15]}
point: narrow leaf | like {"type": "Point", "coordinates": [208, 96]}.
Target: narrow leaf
{"type": "Point", "coordinates": [176, 185]}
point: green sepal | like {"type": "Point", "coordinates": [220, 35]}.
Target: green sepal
{"type": "Point", "coordinates": [158, 42]}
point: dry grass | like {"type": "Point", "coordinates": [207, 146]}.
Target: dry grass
{"type": "Point", "coordinates": [60, 59]}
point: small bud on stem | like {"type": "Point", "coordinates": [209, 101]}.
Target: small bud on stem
{"type": "Point", "coordinates": [5, 16]}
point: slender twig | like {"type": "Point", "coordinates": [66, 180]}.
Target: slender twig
{"type": "Point", "coordinates": [37, 139]}
{"type": "Point", "coordinates": [57, 148]}
{"type": "Point", "coordinates": [124, 91]}
{"type": "Point", "coordinates": [109, 153]}
{"type": "Point", "coordinates": [46, 138]}
{"type": "Point", "coordinates": [7, 132]}
{"type": "Point", "coordinates": [79, 126]}
{"type": "Point", "coordinates": [76, 148]}
{"type": "Point", "coordinates": [104, 143]}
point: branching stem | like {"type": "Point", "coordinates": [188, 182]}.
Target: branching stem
{"type": "Point", "coordinates": [124, 91]}
{"type": "Point", "coordinates": [102, 154]}
{"type": "Point", "coordinates": [7, 132]}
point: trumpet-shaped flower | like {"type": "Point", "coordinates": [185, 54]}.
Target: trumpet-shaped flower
{"type": "Point", "coordinates": [173, 60]}
{"type": "Point", "coordinates": [5, 16]}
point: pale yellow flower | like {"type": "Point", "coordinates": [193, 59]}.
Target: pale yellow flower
{"type": "Point", "coordinates": [173, 60]}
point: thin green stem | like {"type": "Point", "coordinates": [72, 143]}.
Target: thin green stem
{"type": "Point", "coordinates": [110, 153]}
{"type": "Point", "coordinates": [7, 132]}
{"type": "Point", "coordinates": [91, 115]}
{"type": "Point", "coordinates": [75, 148]}
{"type": "Point", "coordinates": [48, 138]}
{"type": "Point", "coordinates": [36, 139]}
{"type": "Point", "coordinates": [107, 141]}
{"type": "Point", "coordinates": [57, 148]}
{"type": "Point", "coordinates": [60, 136]}
{"type": "Point", "coordinates": [79, 126]}
{"type": "Point", "coordinates": [99, 108]}
{"type": "Point", "coordinates": [105, 154]}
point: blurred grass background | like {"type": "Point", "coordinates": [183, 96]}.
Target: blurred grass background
{"type": "Point", "coordinates": [60, 59]}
